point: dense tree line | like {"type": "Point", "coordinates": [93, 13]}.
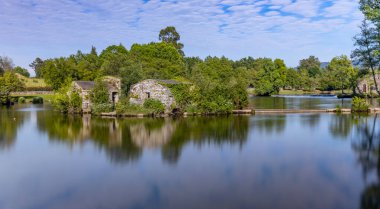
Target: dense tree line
{"type": "Point", "coordinates": [218, 83]}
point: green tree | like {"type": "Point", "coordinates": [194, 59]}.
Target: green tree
{"type": "Point", "coordinates": [113, 58]}
{"type": "Point", "coordinates": [371, 10]}
{"type": "Point", "coordinates": [219, 87]}
{"type": "Point", "coordinates": [36, 65]}
{"type": "Point", "coordinates": [312, 65]}
{"type": "Point", "coordinates": [366, 50]}
{"type": "Point", "coordinates": [269, 76]}
{"type": "Point", "coordinates": [87, 65]}
{"type": "Point", "coordinates": [247, 62]}
{"type": "Point", "coordinates": [21, 71]}
{"type": "Point", "coordinates": [342, 71]}
{"type": "Point", "coordinates": [190, 62]}
{"type": "Point", "coordinates": [9, 82]}
{"type": "Point", "coordinates": [59, 71]}
{"type": "Point", "coordinates": [292, 78]}
{"type": "Point", "coordinates": [157, 60]}
{"type": "Point", "coordinates": [99, 94]}
{"type": "Point", "coordinates": [171, 36]}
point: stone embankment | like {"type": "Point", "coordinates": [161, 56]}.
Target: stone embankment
{"type": "Point", "coordinates": [249, 112]}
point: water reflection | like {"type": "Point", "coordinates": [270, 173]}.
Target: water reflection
{"type": "Point", "coordinates": [298, 160]}
{"type": "Point", "coordinates": [300, 102]}
{"type": "Point", "coordinates": [10, 121]}
{"type": "Point", "coordinates": [367, 147]}
{"type": "Point", "coordinates": [124, 139]}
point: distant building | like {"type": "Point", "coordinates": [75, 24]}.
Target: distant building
{"type": "Point", "coordinates": [153, 89]}
{"type": "Point", "coordinates": [84, 89]}
{"type": "Point", "coordinates": [366, 85]}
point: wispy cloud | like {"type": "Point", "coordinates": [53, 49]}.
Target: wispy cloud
{"type": "Point", "coordinates": [286, 29]}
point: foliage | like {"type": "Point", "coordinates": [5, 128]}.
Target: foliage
{"type": "Point", "coordinates": [101, 108]}
{"type": "Point", "coordinates": [292, 78]}
{"type": "Point", "coordinates": [36, 65]}
{"type": "Point", "coordinates": [21, 71]}
{"type": "Point", "coordinates": [338, 109]}
{"type": "Point", "coordinates": [57, 72]}
{"type": "Point", "coordinates": [37, 100]}
{"type": "Point", "coordinates": [341, 71]}
{"type": "Point", "coordinates": [217, 86]}
{"type": "Point", "coordinates": [124, 107]}
{"type": "Point", "coordinates": [99, 94]}
{"type": "Point", "coordinates": [21, 100]}
{"type": "Point", "coordinates": [155, 105]}
{"type": "Point", "coordinates": [359, 105]}
{"type": "Point", "coordinates": [75, 102]}
{"type": "Point", "coordinates": [61, 101]}
{"type": "Point", "coordinates": [269, 76]}
{"type": "Point", "coordinates": [171, 36]}
{"type": "Point", "coordinates": [157, 60]}
{"type": "Point", "coordinates": [312, 65]}
{"type": "Point", "coordinates": [67, 101]}
{"type": "Point", "coordinates": [190, 62]}
{"type": "Point", "coordinates": [113, 59]}
{"type": "Point", "coordinates": [367, 52]}
{"type": "Point", "coordinates": [364, 54]}
{"type": "Point", "coordinates": [182, 94]}
{"type": "Point", "coordinates": [9, 82]}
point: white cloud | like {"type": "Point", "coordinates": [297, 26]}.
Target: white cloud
{"type": "Point", "coordinates": [273, 28]}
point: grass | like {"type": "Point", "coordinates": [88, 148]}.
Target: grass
{"type": "Point", "coordinates": [32, 82]}
{"type": "Point", "coordinates": [303, 92]}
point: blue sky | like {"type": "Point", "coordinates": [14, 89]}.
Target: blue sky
{"type": "Point", "coordinates": [286, 29]}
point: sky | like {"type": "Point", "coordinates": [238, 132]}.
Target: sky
{"type": "Point", "coordinates": [286, 29]}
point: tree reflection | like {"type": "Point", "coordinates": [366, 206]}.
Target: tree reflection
{"type": "Point", "coordinates": [341, 125]}
{"type": "Point", "coordinates": [367, 147]}
{"type": "Point", "coordinates": [10, 120]}
{"type": "Point", "coordinates": [125, 139]}
{"type": "Point", "coordinates": [269, 123]}
{"type": "Point", "coordinates": [205, 130]}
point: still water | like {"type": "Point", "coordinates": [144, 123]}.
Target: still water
{"type": "Point", "coordinates": [287, 161]}
{"type": "Point", "coordinates": [303, 102]}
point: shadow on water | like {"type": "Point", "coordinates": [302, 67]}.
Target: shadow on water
{"type": "Point", "coordinates": [125, 139]}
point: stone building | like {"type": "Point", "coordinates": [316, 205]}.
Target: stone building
{"type": "Point", "coordinates": [84, 89]}
{"type": "Point", "coordinates": [153, 89]}
{"type": "Point", "coordinates": [366, 85]}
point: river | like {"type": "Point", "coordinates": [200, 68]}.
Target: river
{"type": "Point", "coordinates": [290, 161]}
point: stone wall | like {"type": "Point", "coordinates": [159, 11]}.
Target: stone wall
{"type": "Point", "coordinates": [367, 85]}
{"type": "Point", "coordinates": [151, 89]}
{"type": "Point", "coordinates": [85, 94]}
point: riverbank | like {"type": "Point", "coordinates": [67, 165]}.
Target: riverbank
{"type": "Point", "coordinates": [245, 112]}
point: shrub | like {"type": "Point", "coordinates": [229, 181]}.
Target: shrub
{"type": "Point", "coordinates": [38, 100]}
{"type": "Point", "coordinates": [61, 102]}
{"type": "Point", "coordinates": [99, 94]}
{"type": "Point", "coordinates": [127, 108]}
{"type": "Point", "coordinates": [338, 109]}
{"type": "Point", "coordinates": [155, 105]}
{"type": "Point", "coordinates": [192, 108]}
{"type": "Point", "coordinates": [21, 100]}
{"type": "Point", "coordinates": [101, 108]}
{"type": "Point", "coordinates": [75, 102]}
{"type": "Point", "coordinates": [359, 105]}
